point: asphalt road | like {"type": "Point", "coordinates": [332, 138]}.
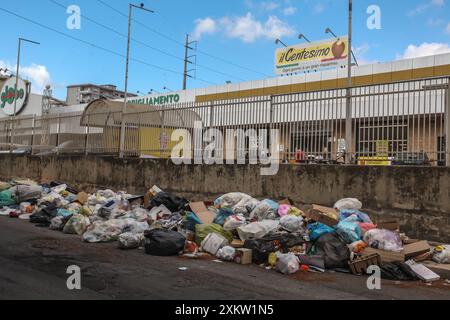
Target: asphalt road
{"type": "Point", "coordinates": [33, 264]}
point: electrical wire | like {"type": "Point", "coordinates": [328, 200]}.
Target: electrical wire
{"type": "Point", "coordinates": [96, 46]}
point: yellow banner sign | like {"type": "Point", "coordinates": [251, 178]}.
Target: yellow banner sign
{"type": "Point", "coordinates": [314, 56]}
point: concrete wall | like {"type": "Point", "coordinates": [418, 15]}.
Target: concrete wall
{"type": "Point", "coordinates": [418, 196]}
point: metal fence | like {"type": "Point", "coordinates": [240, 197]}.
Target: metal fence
{"type": "Point", "coordinates": [404, 122]}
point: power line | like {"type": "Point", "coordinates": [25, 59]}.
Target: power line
{"type": "Point", "coordinates": [180, 43]}
{"type": "Point", "coordinates": [145, 44]}
{"type": "Point", "coordinates": [95, 45]}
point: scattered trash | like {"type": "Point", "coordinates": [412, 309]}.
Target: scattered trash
{"type": "Point", "coordinates": [234, 228]}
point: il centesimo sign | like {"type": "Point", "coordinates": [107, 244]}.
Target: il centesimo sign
{"type": "Point", "coordinates": [167, 99]}
{"type": "Point", "coordinates": [8, 95]}
{"type": "Point", "coordinates": [319, 55]}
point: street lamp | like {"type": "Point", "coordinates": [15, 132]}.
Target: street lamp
{"type": "Point", "coordinates": [302, 36]}
{"type": "Point", "coordinates": [328, 30]}
{"type": "Point", "coordinates": [167, 89]}
{"type": "Point", "coordinates": [124, 109]}
{"type": "Point", "coordinates": [15, 87]}
{"type": "Point", "coordinates": [277, 41]}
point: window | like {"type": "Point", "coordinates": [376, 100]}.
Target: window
{"type": "Point", "coordinates": [378, 139]}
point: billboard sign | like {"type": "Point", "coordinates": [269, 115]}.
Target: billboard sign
{"type": "Point", "coordinates": [8, 96]}
{"type": "Point", "coordinates": [314, 56]}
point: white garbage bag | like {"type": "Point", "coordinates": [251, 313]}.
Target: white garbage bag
{"type": "Point", "coordinates": [104, 231]}
{"type": "Point", "coordinates": [226, 253]}
{"type": "Point", "coordinates": [257, 230]}
{"type": "Point", "coordinates": [265, 210]}
{"type": "Point", "coordinates": [233, 222]}
{"type": "Point", "coordinates": [348, 204]}
{"type": "Point", "coordinates": [130, 240]}
{"type": "Point", "coordinates": [287, 263]}
{"type": "Point", "coordinates": [77, 224]}
{"type": "Point", "coordinates": [384, 240]}
{"type": "Point", "coordinates": [291, 223]}
{"type": "Point", "coordinates": [441, 254]}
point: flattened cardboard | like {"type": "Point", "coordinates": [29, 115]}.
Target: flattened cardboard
{"type": "Point", "coordinates": [237, 243]}
{"type": "Point", "coordinates": [199, 208]}
{"type": "Point", "coordinates": [416, 249]}
{"type": "Point", "coordinates": [325, 215]}
{"type": "Point", "coordinates": [82, 197]}
{"type": "Point", "coordinates": [386, 256]}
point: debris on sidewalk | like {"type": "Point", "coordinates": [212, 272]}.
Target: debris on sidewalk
{"type": "Point", "coordinates": [233, 228]}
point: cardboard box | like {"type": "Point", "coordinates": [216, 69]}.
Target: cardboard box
{"type": "Point", "coordinates": [416, 249]}
{"type": "Point", "coordinates": [243, 256]}
{"type": "Point", "coordinates": [325, 215]}
{"type": "Point", "coordinates": [386, 256]}
{"type": "Point", "coordinates": [82, 197]}
{"type": "Point", "coordinates": [360, 265]}
{"type": "Point", "coordinates": [213, 242]}
{"type": "Point", "coordinates": [199, 208]}
{"type": "Point", "coordinates": [151, 193]}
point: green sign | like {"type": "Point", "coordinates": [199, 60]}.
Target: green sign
{"type": "Point", "coordinates": [170, 98]}
{"type": "Point", "coordinates": [8, 94]}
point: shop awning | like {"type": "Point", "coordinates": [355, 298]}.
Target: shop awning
{"type": "Point", "coordinates": [107, 113]}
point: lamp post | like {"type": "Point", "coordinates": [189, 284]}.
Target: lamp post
{"type": "Point", "coordinates": [348, 114]}
{"type": "Point", "coordinates": [302, 36]}
{"type": "Point", "coordinates": [13, 131]}
{"type": "Point", "coordinates": [277, 41]}
{"type": "Point", "coordinates": [167, 89]}
{"type": "Point", "coordinates": [124, 108]}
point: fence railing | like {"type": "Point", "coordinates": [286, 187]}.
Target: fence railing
{"type": "Point", "coordinates": [404, 122]}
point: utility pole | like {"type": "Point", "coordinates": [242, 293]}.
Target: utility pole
{"type": "Point", "coordinates": [15, 89]}
{"type": "Point", "coordinates": [186, 74]}
{"type": "Point", "coordinates": [125, 102]}
{"type": "Point", "coordinates": [348, 109]}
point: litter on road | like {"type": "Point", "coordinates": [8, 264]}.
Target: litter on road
{"type": "Point", "coordinates": [232, 228]}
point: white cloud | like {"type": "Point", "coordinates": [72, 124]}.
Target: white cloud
{"type": "Point", "coordinates": [289, 11]}
{"type": "Point", "coordinates": [37, 74]}
{"type": "Point", "coordinates": [204, 26]}
{"type": "Point", "coordinates": [269, 5]}
{"type": "Point", "coordinates": [424, 49]}
{"type": "Point", "coordinates": [425, 6]}
{"type": "Point", "coordinates": [247, 28]}
{"type": "Point", "coordinates": [319, 8]}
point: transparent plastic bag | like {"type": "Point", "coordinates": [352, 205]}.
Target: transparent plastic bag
{"type": "Point", "coordinates": [287, 263]}
{"type": "Point", "coordinates": [441, 254]}
{"type": "Point", "coordinates": [291, 223]}
{"type": "Point", "coordinates": [129, 240]}
{"type": "Point", "coordinates": [257, 230]}
{"type": "Point", "coordinates": [226, 253]}
{"type": "Point", "coordinates": [384, 240]}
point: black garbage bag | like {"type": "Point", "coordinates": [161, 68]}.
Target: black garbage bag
{"type": "Point", "coordinates": [173, 203]}
{"type": "Point", "coordinates": [163, 242]}
{"type": "Point", "coordinates": [44, 216]}
{"type": "Point", "coordinates": [262, 248]}
{"type": "Point", "coordinates": [397, 271]}
{"type": "Point", "coordinates": [334, 250]}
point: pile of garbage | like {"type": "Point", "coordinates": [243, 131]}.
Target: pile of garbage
{"type": "Point", "coordinates": [235, 227]}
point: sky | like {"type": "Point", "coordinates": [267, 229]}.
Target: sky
{"type": "Point", "coordinates": [235, 38]}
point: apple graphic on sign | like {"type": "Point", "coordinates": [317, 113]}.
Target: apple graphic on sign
{"type": "Point", "coordinates": [338, 49]}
